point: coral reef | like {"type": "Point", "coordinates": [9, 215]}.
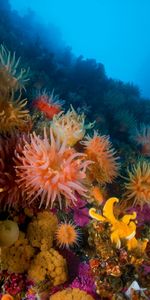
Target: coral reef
{"type": "Point", "coordinates": [60, 238]}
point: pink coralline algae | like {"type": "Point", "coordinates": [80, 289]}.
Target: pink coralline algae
{"type": "Point", "coordinates": [143, 215]}
{"type": "Point", "coordinates": [84, 280]}
{"type": "Point", "coordinates": [80, 213]}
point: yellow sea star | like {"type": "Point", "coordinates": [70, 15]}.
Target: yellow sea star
{"type": "Point", "coordinates": [123, 229]}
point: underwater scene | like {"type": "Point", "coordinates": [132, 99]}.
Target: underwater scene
{"type": "Point", "coordinates": [74, 151]}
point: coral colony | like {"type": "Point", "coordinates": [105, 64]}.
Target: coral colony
{"type": "Point", "coordinates": [73, 225]}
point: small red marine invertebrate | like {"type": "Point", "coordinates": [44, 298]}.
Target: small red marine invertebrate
{"type": "Point", "coordinates": [49, 170]}
{"type": "Point", "coordinates": [49, 105]}
{"type": "Point", "coordinates": [99, 150]}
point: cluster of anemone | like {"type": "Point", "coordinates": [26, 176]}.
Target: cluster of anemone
{"type": "Point", "coordinates": [138, 183]}
{"type": "Point", "coordinates": [50, 171]}
{"type": "Point", "coordinates": [13, 114]}
{"type": "Point", "coordinates": [105, 163]}
{"type": "Point", "coordinates": [47, 171]}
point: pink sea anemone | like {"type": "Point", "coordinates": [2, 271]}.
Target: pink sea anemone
{"type": "Point", "coordinates": [49, 170]}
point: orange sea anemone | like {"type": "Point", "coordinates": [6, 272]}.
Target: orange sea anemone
{"type": "Point", "coordinates": [50, 170]}
{"type": "Point", "coordinates": [138, 183]}
{"type": "Point", "coordinates": [15, 77]}
{"type": "Point", "coordinates": [48, 104]}
{"type": "Point", "coordinates": [99, 150]}
{"type": "Point", "coordinates": [70, 126]}
{"type": "Point", "coordinates": [13, 114]}
{"type": "Point", "coordinates": [142, 137]}
{"type": "Point", "coordinates": [67, 235]}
